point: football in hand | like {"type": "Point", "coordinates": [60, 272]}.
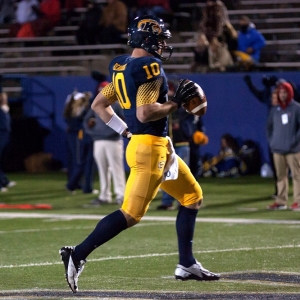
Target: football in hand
{"type": "Point", "coordinates": [198, 104]}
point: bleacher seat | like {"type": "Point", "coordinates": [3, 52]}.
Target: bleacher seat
{"type": "Point", "coordinates": [278, 21]}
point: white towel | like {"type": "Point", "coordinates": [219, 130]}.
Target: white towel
{"type": "Point", "coordinates": [171, 167]}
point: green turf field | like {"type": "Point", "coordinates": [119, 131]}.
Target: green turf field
{"type": "Point", "coordinates": [255, 250]}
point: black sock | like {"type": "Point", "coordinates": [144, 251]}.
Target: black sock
{"type": "Point", "coordinates": [106, 229]}
{"type": "Point", "coordinates": [185, 225]}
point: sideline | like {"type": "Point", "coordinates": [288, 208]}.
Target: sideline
{"type": "Point", "coordinates": [8, 215]}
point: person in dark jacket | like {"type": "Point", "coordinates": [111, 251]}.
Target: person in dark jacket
{"type": "Point", "coordinates": [283, 132]}
{"type": "Point", "coordinates": [250, 43]}
{"type": "Point", "coordinates": [79, 144]}
{"type": "Point", "coordinates": [5, 128]}
{"type": "Point", "coordinates": [268, 97]}
{"type": "Point", "coordinates": [88, 31]}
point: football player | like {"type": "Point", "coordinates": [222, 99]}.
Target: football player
{"type": "Point", "coordinates": [140, 85]}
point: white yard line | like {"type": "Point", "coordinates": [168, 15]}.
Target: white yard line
{"type": "Point", "coordinates": [154, 255]}
{"type": "Point", "coordinates": [76, 228]}
{"type": "Point", "coordinates": [8, 215]}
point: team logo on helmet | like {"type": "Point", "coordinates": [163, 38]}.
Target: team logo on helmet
{"type": "Point", "coordinates": [149, 25]}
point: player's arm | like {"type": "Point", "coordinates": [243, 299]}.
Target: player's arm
{"type": "Point", "coordinates": [102, 107]}
{"type": "Point", "coordinates": [150, 110]}
{"type": "Point", "coordinates": [102, 103]}
{"type": "Point", "coordinates": [155, 111]}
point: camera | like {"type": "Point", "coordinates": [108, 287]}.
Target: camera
{"type": "Point", "coordinates": [269, 81]}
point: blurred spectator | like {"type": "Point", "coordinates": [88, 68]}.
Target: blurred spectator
{"type": "Point", "coordinates": [48, 12]}
{"type": "Point", "coordinates": [5, 128]}
{"type": "Point", "coordinates": [283, 132]}
{"type": "Point", "coordinates": [199, 139]}
{"type": "Point", "coordinates": [88, 31]}
{"type": "Point", "coordinates": [99, 78]}
{"type": "Point", "coordinates": [24, 12]}
{"type": "Point", "coordinates": [7, 12]}
{"type": "Point", "coordinates": [230, 37]}
{"type": "Point", "coordinates": [250, 43]}
{"type": "Point", "coordinates": [113, 22]}
{"type": "Point", "coordinates": [213, 55]}
{"type": "Point", "coordinates": [79, 144]}
{"type": "Point", "coordinates": [215, 34]}
{"type": "Point", "coordinates": [69, 5]}
{"type": "Point", "coordinates": [214, 18]}
{"type": "Point", "coordinates": [267, 96]}
{"type": "Point", "coordinates": [219, 57]}
{"type": "Point", "coordinates": [108, 153]}
{"type": "Point", "coordinates": [158, 8]}
{"type": "Point", "coordinates": [262, 95]}
{"type": "Point", "coordinates": [227, 162]}
{"type": "Point", "coordinates": [200, 61]}
{"type": "Point", "coordinates": [71, 16]}
{"type": "Point", "coordinates": [249, 154]}
{"type": "Point", "coordinates": [232, 4]}
{"type": "Point", "coordinates": [295, 89]}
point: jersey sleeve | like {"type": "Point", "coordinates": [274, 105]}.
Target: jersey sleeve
{"type": "Point", "coordinates": [150, 78]}
{"type": "Point", "coordinates": [148, 92]}
{"type": "Point", "coordinates": [109, 92]}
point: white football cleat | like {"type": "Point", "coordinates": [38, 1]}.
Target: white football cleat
{"type": "Point", "coordinates": [195, 272]}
{"type": "Point", "coordinates": [72, 268]}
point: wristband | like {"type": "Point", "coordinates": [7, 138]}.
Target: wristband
{"type": "Point", "coordinates": [117, 124]}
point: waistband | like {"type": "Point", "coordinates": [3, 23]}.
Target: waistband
{"type": "Point", "coordinates": [149, 139]}
{"type": "Point", "coordinates": [181, 144]}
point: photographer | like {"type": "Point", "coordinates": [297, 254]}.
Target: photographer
{"type": "Point", "coordinates": [270, 82]}
{"type": "Point", "coordinates": [266, 97]}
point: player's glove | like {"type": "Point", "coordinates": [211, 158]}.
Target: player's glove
{"type": "Point", "coordinates": [127, 134]}
{"type": "Point", "coordinates": [184, 92]}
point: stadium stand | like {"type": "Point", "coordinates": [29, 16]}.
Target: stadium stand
{"type": "Point", "coordinates": [58, 53]}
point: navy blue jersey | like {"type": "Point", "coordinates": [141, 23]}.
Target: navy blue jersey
{"type": "Point", "coordinates": [139, 81]}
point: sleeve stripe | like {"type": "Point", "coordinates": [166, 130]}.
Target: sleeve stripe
{"type": "Point", "coordinates": [148, 93]}
{"type": "Point", "coordinates": [109, 92]}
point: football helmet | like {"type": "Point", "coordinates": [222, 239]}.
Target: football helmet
{"type": "Point", "coordinates": [149, 32]}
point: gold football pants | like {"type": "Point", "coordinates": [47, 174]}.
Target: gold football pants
{"type": "Point", "coordinates": [146, 155]}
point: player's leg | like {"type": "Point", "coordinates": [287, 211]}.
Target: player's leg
{"type": "Point", "coordinates": [189, 193]}
{"type": "Point", "coordinates": [141, 188]}
{"type": "Point", "coordinates": [107, 228]}
{"type": "Point", "coordinates": [74, 258]}
{"type": "Point", "coordinates": [146, 157]}
{"type": "Point", "coordinates": [167, 201]}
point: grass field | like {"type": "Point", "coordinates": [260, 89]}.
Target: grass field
{"type": "Point", "coordinates": [255, 250]}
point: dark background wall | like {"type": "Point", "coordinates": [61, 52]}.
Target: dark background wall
{"type": "Point", "coordinates": [231, 108]}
